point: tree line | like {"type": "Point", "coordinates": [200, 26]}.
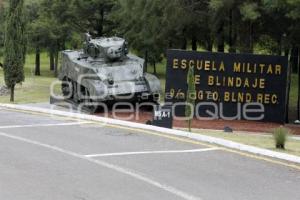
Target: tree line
{"type": "Point", "coordinates": [152, 26]}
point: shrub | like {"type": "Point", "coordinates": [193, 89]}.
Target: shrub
{"type": "Point", "coordinates": [280, 137]}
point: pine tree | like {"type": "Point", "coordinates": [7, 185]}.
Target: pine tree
{"type": "Point", "coordinates": [14, 46]}
{"type": "Point", "coordinates": [190, 97]}
{"type": "Point", "coordinates": [2, 19]}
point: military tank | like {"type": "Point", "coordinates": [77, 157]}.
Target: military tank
{"type": "Point", "coordinates": [104, 71]}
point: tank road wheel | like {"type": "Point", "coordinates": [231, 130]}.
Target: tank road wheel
{"type": "Point", "coordinates": [67, 89]}
{"type": "Point", "coordinates": [88, 102]}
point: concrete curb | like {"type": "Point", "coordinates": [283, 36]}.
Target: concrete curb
{"type": "Point", "coordinates": [198, 137]}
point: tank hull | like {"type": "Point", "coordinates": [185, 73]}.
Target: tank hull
{"type": "Point", "coordinates": [99, 80]}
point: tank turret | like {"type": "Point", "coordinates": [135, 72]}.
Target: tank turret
{"type": "Point", "coordinates": [112, 49]}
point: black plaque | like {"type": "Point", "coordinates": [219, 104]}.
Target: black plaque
{"type": "Point", "coordinates": [162, 116]}
{"type": "Point", "coordinates": [229, 81]}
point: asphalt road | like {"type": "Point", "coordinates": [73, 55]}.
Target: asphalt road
{"type": "Point", "coordinates": [51, 158]}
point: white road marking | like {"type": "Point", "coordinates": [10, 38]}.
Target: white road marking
{"type": "Point", "coordinates": [151, 152]}
{"type": "Point", "coordinates": [43, 125]}
{"type": "Point", "coordinates": [116, 168]}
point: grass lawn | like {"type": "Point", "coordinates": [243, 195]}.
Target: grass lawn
{"type": "Point", "coordinates": [35, 89]}
{"type": "Point", "coordinates": [262, 141]}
